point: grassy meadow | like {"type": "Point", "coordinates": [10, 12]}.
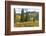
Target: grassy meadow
{"type": "Point", "coordinates": [28, 19]}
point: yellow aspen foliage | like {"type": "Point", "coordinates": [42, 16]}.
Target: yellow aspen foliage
{"type": "Point", "coordinates": [17, 17]}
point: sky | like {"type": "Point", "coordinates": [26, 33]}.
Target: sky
{"type": "Point", "coordinates": [18, 10]}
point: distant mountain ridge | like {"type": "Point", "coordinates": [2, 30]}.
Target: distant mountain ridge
{"type": "Point", "coordinates": [28, 12]}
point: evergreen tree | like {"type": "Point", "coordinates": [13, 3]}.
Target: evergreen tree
{"type": "Point", "coordinates": [27, 16]}
{"type": "Point", "coordinates": [22, 15]}
{"type": "Point", "coordinates": [37, 17]}
{"type": "Point", "coordinates": [14, 15]}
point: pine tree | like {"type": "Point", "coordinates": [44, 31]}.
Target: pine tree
{"type": "Point", "coordinates": [22, 15]}
{"type": "Point", "coordinates": [26, 16]}
{"type": "Point", "coordinates": [14, 15]}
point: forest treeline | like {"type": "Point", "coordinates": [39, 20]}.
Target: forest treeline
{"type": "Point", "coordinates": [24, 17]}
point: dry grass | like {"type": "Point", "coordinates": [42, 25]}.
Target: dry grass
{"type": "Point", "coordinates": [25, 24]}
